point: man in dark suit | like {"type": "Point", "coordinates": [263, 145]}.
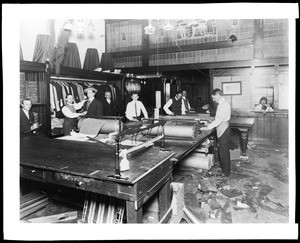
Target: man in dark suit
{"type": "Point", "coordinates": [93, 106]}
{"type": "Point", "coordinates": [109, 106]}
{"type": "Point", "coordinates": [27, 118]}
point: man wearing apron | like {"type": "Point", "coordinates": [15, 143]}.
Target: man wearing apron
{"type": "Point", "coordinates": [221, 123]}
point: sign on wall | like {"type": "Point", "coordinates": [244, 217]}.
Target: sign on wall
{"type": "Point", "coordinates": [232, 88]}
{"type": "Point", "coordinates": [196, 28]}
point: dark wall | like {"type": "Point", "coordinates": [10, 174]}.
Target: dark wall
{"type": "Point", "coordinates": [197, 85]}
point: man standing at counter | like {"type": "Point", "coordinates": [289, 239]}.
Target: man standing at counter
{"type": "Point", "coordinates": [175, 104]}
{"type": "Point", "coordinates": [221, 123]}
{"type": "Point", "coordinates": [93, 106]}
{"type": "Point", "coordinates": [70, 114]}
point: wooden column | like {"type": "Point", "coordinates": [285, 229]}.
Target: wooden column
{"type": "Point", "coordinates": [145, 45]}
{"type": "Point", "coordinates": [133, 216]}
{"type": "Point", "coordinates": [258, 39]}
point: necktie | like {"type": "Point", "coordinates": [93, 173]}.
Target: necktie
{"type": "Point", "coordinates": [186, 104]}
{"type": "Point", "coordinates": [88, 104]}
{"type": "Point", "coordinates": [135, 107]}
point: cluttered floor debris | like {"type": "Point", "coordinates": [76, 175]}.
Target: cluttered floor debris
{"type": "Point", "coordinates": [257, 190]}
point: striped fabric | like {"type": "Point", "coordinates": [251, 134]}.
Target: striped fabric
{"type": "Point", "coordinates": [101, 209]}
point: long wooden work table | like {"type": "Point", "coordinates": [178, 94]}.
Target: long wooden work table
{"type": "Point", "coordinates": [243, 124]}
{"type": "Point", "coordinates": [90, 167]}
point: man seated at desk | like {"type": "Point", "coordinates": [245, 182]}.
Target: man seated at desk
{"type": "Point", "coordinates": [70, 115]}
{"type": "Point", "coordinates": [263, 105]}
{"type": "Point", "coordinates": [27, 120]}
{"type": "Point", "coordinates": [176, 105]}
{"type": "Point", "coordinates": [135, 108]}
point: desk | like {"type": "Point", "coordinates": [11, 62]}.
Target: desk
{"type": "Point", "coordinates": [86, 166]}
{"type": "Point", "coordinates": [243, 125]}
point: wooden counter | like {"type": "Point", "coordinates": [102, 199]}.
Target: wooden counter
{"type": "Point", "coordinates": [87, 167]}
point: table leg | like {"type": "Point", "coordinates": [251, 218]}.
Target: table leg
{"type": "Point", "coordinates": [164, 199]}
{"type": "Point", "coordinates": [244, 140]}
{"type": "Point", "coordinates": [133, 216]}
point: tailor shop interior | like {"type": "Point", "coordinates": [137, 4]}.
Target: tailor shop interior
{"type": "Point", "coordinates": [154, 121]}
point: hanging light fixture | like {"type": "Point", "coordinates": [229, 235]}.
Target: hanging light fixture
{"type": "Point", "coordinates": [68, 25]}
{"type": "Point", "coordinates": [91, 29]}
{"type": "Point", "coordinates": [149, 30]}
{"type": "Point", "coordinates": [168, 26]}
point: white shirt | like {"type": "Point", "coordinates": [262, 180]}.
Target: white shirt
{"type": "Point", "coordinates": [222, 117]}
{"type": "Point", "coordinates": [26, 113]}
{"type": "Point", "coordinates": [130, 110]}
{"type": "Point", "coordinates": [184, 110]}
{"type": "Point", "coordinates": [169, 103]}
{"type": "Point", "coordinates": [68, 113]}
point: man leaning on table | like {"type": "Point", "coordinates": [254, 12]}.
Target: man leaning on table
{"type": "Point", "coordinates": [221, 123]}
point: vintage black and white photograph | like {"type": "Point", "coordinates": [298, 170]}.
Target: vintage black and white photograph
{"type": "Point", "coordinates": [177, 117]}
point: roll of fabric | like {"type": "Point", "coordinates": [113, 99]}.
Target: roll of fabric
{"type": "Point", "coordinates": [172, 130]}
{"type": "Point", "coordinates": [94, 126]}
{"type": "Point", "coordinates": [197, 160]}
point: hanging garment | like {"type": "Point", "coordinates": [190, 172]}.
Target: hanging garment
{"type": "Point", "coordinates": [72, 58]}
{"type": "Point", "coordinates": [74, 88]}
{"type": "Point", "coordinates": [21, 53]}
{"type": "Point", "coordinates": [91, 60]}
{"type": "Point", "coordinates": [107, 62]}
{"type": "Point", "coordinates": [64, 93]}
{"type": "Point", "coordinates": [41, 48]}
{"type": "Point", "coordinates": [80, 91]}
{"type": "Point", "coordinates": [56, 99]}
{"type": "Point", "coordinates": [52, 101]}
{"type": "Point", "coordinates": [51, 45]}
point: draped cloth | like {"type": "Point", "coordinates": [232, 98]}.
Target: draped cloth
{"type": "Point", "coordinates": [44, 45]}
{"type": "Point", "coordinates": [21, 53]}
{"type": "Point", "coordinates": [51, 42]}
{"type": "Point", "coordinates": [107, 62]}
{"type": "Point", "coordinates": [59, 50]}
{"type": "Point", "coordinates": [41, 48]}
{"type": "Point", "coordinates": [72, 58]}
{"type": "Point", "coordinates": [91, 60]}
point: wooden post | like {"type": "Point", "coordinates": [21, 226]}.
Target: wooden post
{"type": "Point", "coordinates": [133, 216]}
{"type": "Point", "coordinates": [258, 39]}
{"type": "Point", "coordinates": [145, 45]}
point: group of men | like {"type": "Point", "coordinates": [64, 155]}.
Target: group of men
{"type": "Point", "coordinates": [89, 108]}
{"type": "Point", "coordinates": [179, 105]}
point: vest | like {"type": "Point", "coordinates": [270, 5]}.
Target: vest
{"type": "Point", "coordinates": [69, 123]}
{"type": "Point", "coordinates": [176, 106]}
{"type": "Point", "coordinates": [71, 120]}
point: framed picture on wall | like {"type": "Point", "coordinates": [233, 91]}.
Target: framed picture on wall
{"type": "Point", "coordinates": [232, 88]}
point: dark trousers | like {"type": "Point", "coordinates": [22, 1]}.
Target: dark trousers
{"type": "Point", "coordinates": [69, 125]}
{"type": "Point", "coordinates": [224, 153]}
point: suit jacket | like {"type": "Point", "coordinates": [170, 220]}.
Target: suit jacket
{"type": "Point", "coordinates": [25, 123]}
{"type": "Point", "coordinates": [95, 109]}
{"type": "Point", "coordinates": [109, 109]}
